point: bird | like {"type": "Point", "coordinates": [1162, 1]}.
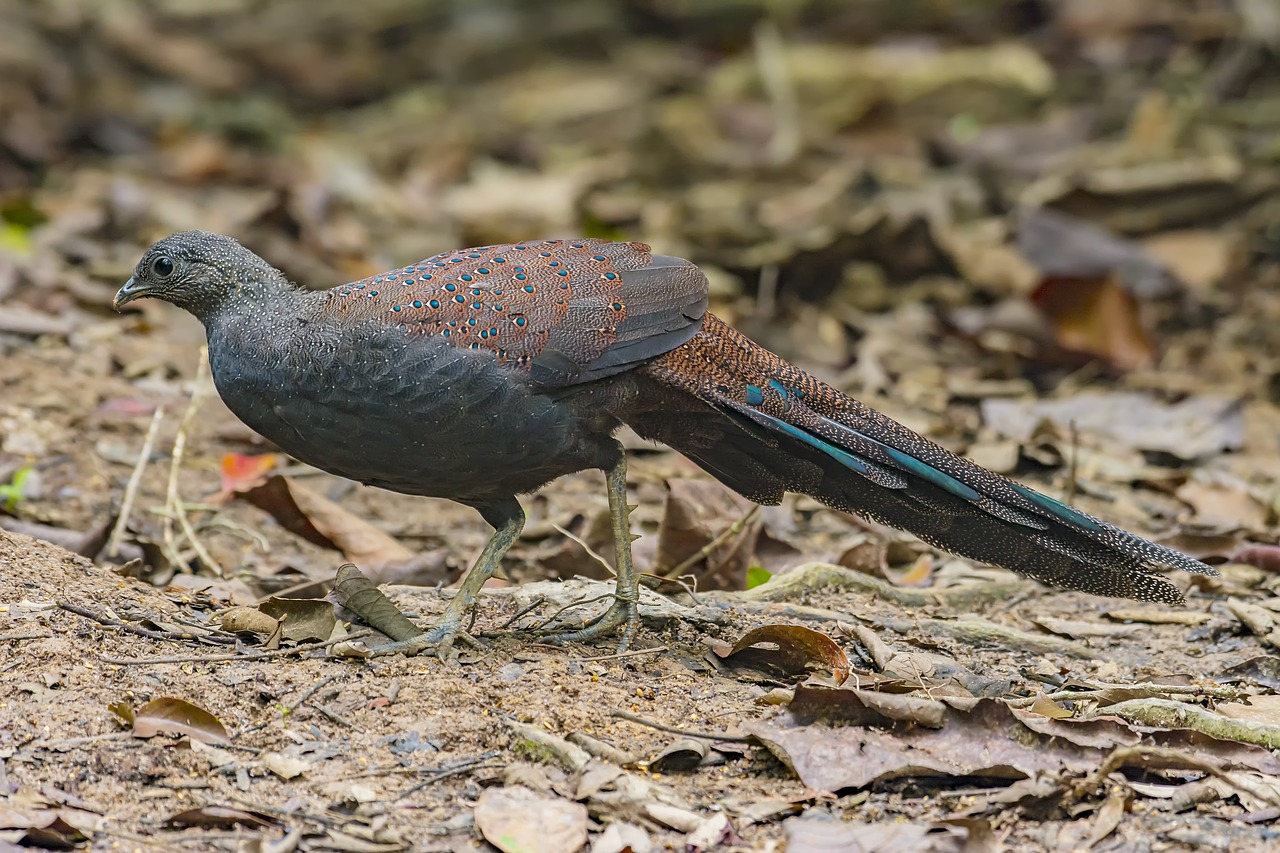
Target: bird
{"type": "Point", "coordinates": [482, 374]}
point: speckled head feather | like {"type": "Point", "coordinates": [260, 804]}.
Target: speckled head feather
{"type": "Point", "coordinates": [199, 271]}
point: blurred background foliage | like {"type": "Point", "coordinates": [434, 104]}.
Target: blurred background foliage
{"type": "Point", "coordinates": [831, 163]}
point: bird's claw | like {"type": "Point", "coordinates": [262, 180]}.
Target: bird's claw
{"type": "Point", "coordinates": [440, 637]}
{"type": "Point", "coordinates": [625, 614]}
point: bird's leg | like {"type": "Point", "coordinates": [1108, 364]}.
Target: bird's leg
{"type": "Point", "coordinates": [508, 521]}
{"type": "Point", "coordinates": [625, 611]}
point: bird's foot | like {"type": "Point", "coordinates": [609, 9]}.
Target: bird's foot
{"type": "Point", "coordinates": [440, 637]}
{"type": "Point", "coordinates": [625, 614]}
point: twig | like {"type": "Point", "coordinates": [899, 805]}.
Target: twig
{"type": "Point", "coordinates": [683, 732]}
{"type": "Point", "coordinates": [173, 502]}
{"type": "Point", "coordinates": [633, 653]}
{"type": "Point", "coordinates": [333, 716]}
{"type": "Point", "coordinates": [1091, 694]}
{"type": "Point", "coordinates": [477, 763]}
{"type": "Point", "coordinates": [719, 539]}
{"type": "Point", "coordinates": [771, 64]}
{"type": "Point", "coordinates": [524, 611]}
{"type": "Point", "coordinates": [767, 291]}
{"type": "Point", "coordinates": [274, 653]}
{"type": "Point", "coordinates": [590, 551]}
{"type": "Point", "coordinates": [310, 691]}
{"type": "Point", "coordinates": [1072, 463]}
{"type": "Point", "coordinates": [176, 636]}
{"type": "Point", "coordinates": [131, 488]}
{"type": "Point", "coordinates": [570, 606]}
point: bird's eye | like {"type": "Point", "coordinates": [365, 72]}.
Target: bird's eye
{"type": "Point", "coordinates": [162, 267]}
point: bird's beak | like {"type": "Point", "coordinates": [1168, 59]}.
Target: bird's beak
{"type": "Point", "coordinates": [131, 291]}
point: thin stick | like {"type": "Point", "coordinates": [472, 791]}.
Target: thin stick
{"type": "Point", "coordinates": [173, 502]}
{"type": "Point", "coordinates": [633, 653]}
{"type": "Point", "coordinates": [707, 550]}
{"type": "Point", "coordinates": [176, 636]}
{"type": "Point", "coordinates": [275, 653]}
{"type": "Point", "coordinates": [131, 488]}
{"type": "Point", "coordinates": [590, 551]}
{"type": "Point", "coordinates": [683, 732]}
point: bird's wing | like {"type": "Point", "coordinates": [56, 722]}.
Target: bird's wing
{"type": "Point", "coordinates": [565, 311]}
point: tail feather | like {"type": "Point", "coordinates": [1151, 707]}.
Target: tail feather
{"type": "Point", "coordinates": [763, 426]}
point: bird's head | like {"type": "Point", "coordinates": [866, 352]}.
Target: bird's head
{"type": "Point", "coordinates": [194, 270]}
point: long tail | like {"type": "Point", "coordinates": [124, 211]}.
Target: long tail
{"type": "Point", "coordinates": [763, 427]}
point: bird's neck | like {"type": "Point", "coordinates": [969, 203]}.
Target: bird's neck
{"type": "Point", "coordinates": [256, 314]}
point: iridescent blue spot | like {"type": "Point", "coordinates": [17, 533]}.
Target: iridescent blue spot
{"type": "Point", "coordinates": [434, 303]}
{"type": "Point", "coordinates": [473, 255]}
{"type": "Point", "coordinates": [373, 293]}
{"type": "Point", "coordinates": [359, 287]}
{"type": "Point", "coordinates": [528, 288]}
{"type": "Point", "coordinates": [562, 272]}
{"type": "Point", "coordinates": [499, 260]}
{"type": "Point", "coordinates": [577, 245]}
{"type": "Point", "coordinates": [554, 264]}
{"type": "Point", "coordinates": [477, 305]}
{"type": "Point", "coordinates": [545, 254]}
{"type": "Point", "coordinates": [455, 260]}
{"type": "Point", "coordinates": [497, 293]}
{"type": "Point", "coordinates": [483, 270]}
{"type": "Point", "coordinates": [520, 321]}
{"type": "Point", "coordinates": [617, 306]}
{"type": "Point", "coordinates": [497, 307]}
{"type": "Point", "coordinates": [610, 275]}
{"type": "Point", "coordinates": [755, 396]}
{"type": "Point", "coordinates": [476, 291]}
{"type": "Point", "coordinates": [453, 323]}
{"type": "Point", "coordinates": [465, 277]}
{"type": "Point", "coordinates": [493, 330]}
{"type": "Point", "coordinates": [446, 333]}
{"type": "Point", "coordinates": [471, 321]}
{"type": "Point", "coordinates": [1058, 508]}
{"type": "Point", "coordinates": [395, 307]}
{"type": "Point", "coordinates": [427, 277]}
{"type": "Point", "coordinates": [912, 465]}
{"type": "Point", "coordinates": [521, 277]}
{"type": "Point", "coordinates": [598, 258]}
{"type": "Point", "coordinates": [407, 281]}
{"type": "Point", "coordinates": [484, 333]}
{"type": "Point", "coordinates": [459, 299]}
{"type": "Point", "coordinates": [377, 281]}
{"type": "Point", "coordinates": [781, 389]}
{"type": "Point", "coordinates": [564, 286]}
{"type": "Point", "coordinates": [417, 304]}
{"type": "Point", "coordinates": [522, 246]}
{"type": "Point", "coordinates": [451, 287]}
{"type": "Point", "coordinates": [475, 345]}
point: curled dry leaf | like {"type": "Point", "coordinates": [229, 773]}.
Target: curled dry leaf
{"type": "Point", "coordinates": [220, 817]}
{"type": "Point", "coordinates": [790, 652]}
{"type": "Point", "coordinates": [324, 523]}
{"type": "Point", "coordinates": [683, 754]}
{"type": "Point", "coordinates": [176, 716]}
{"type": "Point", "coordinates": [302, 619]}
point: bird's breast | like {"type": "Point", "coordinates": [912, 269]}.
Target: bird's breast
{"type": "Point", "coordinates": [409, 413]}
